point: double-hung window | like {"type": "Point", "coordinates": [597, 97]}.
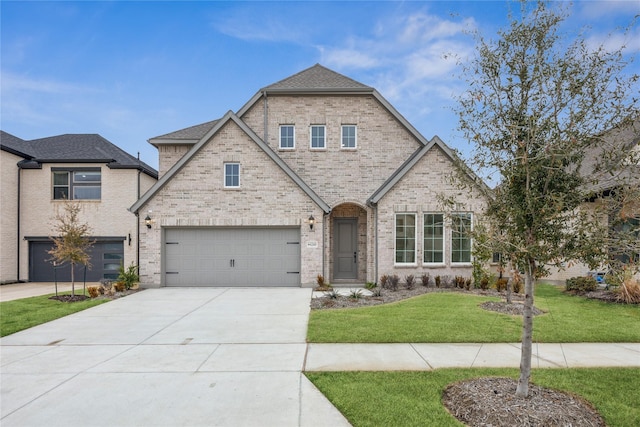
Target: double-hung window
{"type": "Point", "coordinates": [461, 237]}
{"type": "Point", "coordinates": [405, 247]}
{"type": "Point", "coordinates": [433, 238]}
{"type": "Point", "coordinates": [349, 137]}
{"type": "Point", "coordinates": [287, 137]}
{"type": "Point", "coordinates": [232, 175]}
{"type": "Point", "coordinates": [317, 134]}
{"type": "Point", "coordinates": [77, 184]}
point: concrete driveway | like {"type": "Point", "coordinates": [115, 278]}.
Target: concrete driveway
{"type": "Point", "coordinates": [168, 357]}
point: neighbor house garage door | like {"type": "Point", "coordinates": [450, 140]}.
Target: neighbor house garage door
{"type": "Point", "coordinates": [105, 258]}
{"type": "Point", "coordinates": [232, 257]}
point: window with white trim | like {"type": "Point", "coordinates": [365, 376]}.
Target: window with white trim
{"type": "Point", "coordinates": [405, 247]}
{"type": "Point", "coordinates": [349, 136]}
{"type": "Point", "coordinates": [317, 135]}
{"type": "Point", "coordinates": [461, 237]}
{"type": "Point", "coordinates": [231, 175]}
{"type": "Point", "coordinates": [287, 137]}
{"type": "Point", "coordinates": [77, 184]}
{"type": "Point", "coordinates": [433, 238]}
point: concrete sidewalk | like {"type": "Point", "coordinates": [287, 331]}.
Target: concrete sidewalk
{"type": "Point", "coordinates": [421, 357]}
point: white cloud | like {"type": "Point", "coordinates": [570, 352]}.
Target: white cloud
{"type": "Point", "coordinates": [598, 9]}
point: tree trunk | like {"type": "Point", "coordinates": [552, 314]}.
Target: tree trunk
{"type": "Point", "coordinates": [527, 332]}
{"type": "Point", "coordinates": [73, 290]}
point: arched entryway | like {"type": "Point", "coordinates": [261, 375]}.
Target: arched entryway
{"type": "Point", "coordinates": [348, 254]}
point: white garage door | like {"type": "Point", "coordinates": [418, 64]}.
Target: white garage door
{"type": "Point", "coordinates": [232, 257]}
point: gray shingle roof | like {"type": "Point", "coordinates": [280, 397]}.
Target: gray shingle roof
{"type": "Point", "coordinates": [83, 148]}
{"type": "Point", "coordinates": [317, 78]}
{"type": "Point", "coordinates": [15, 145]}
{"type": "Point", "coordinates": [191, 133]}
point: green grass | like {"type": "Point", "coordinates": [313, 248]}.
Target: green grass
{"type": "Point", "coordinates": [414, 398]}
{"type": "Point", "coordinates": [456, 317]}
{"type": "Point", "coordinates": [25, 313]}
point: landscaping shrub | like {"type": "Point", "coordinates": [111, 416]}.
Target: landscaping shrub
{"type": "Point", "coordinates": [425, 279]}
{"type": "Point", "coordinates": [517, 284]}
{"type": "Point", "coordinates": [128, 277]}
{"type": "Point", "coordinates": [384, 281]}
{"type": "Point", "coordinates": [628, 289]}
{"type": "Point", "coordinates": [393, 282]}
{"type": "Point", "coordinates": [355, 294]}
{"type": "Point", "coordinates": [484, 283]}
{"type": "Point", "coordinates": [501, 284]}
{"type": "Point", "coordinates": [370, 285]}
{"type": "Point", "coordinates": [94, 291]}
{"type": "Point", "coordinates": [409, 281]}
{"type": "Point", "coordinates": [467, 283]}
{"type": "Point", "coordinates": [459, 282]}
{"type": "Point", "coordinates": [446, 281]}
{"type": "Point", "coordinates": [581, 284]}
{"type": "Point", "coordinates": [438, 281]}
{"type": "Point", "coordinates": [119, 286]}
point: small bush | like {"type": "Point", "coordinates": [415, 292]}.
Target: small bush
{"type": "Point", "coordinates": [410, 281]}
{"type": "Point", "coordinates": [370, 285]}
{"type": "Point", "coordinates": [629, 291]}
{"type": "Point", "coordinates": [384, 281]}
{"type": "Point", "coordinates": [581, 284]}
{"type": "Point", "coordinates": [320, 280]}
{"type": "Point", "coordinates": [120, 286]}
{"type": "Point", "coordinates": [446, 281]}
{"type": "Point", "coordinates": [501, 284]}
{"type": "Point", "coordinates": [355, 294]}
{"type": "Point", "coordinates": [484, 283]}
{"type": "Point", "coordinates": [517, 285]}
{"type": "Point", "coordinates": [128, 277]}
{"type": "Point", "coordinates": [376, 292]}
{"type": "Point", "coordinates": [393, 282]}
{"type": "Point", "coordinates": [467, 283]}
{"type": "Point", "coordinates": [425, 279]}
{"type": "Point", "coordinates": [94, 291]}
{"type": "Point", "coordinates": [438, 281]}
{"type": "Point", "coordinates": [333, 294]}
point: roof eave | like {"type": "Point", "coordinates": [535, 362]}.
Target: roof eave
{"type": "Point", "coordinates": [171, 141]}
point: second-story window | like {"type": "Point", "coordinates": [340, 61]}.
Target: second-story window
{"type": "Point", "coordinates": [287, 137]}
{"type": "Point", "coordinates": [318, 137]}
{"type": "Point", "coordinates": [349, 136]}
{"type": "Point", "coordinates": [77, 184]}
{"type": "Point", "coordinates": [232, 175]}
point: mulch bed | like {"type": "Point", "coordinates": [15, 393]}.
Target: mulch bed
{"type": "Point", "coordinates": [80, 297]}
{"type": "Point", "coordinates": [492, 402]}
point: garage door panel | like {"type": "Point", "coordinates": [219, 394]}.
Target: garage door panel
{"type": "Point", "coordinates": [232, 257]}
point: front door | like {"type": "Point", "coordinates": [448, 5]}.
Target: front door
{"type": "Point", "coordinates": [345, 238]}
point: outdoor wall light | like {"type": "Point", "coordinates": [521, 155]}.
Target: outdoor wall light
{"type": "Point", "coordinates": [312, 221]}
{"type": "Point", "coordinates": [147, 221]}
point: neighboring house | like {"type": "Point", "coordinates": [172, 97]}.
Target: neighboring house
{"type": "Point", "coordinates": [39, 175]}
{"type": "Point", "coordinates": [316, 174]}
{"type": "Point", "coordinates": [619, 146]}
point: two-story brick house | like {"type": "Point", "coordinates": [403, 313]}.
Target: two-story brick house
{"type": "Point", "coordinates": [315, 174]}
{"type": "Point", "coordinates": [39, 175]}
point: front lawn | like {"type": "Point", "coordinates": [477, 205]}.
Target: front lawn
{"type": "Point", "coordinates": [456, 317]}
{"type": "Point", "coordinates": [415, 398]}
{"type": "Point", "coordinates": [25, 313]}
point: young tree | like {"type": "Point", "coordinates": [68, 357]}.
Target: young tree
{"type": "Point", "coordinates": [71, 242]}
{"type": "Point", "coordinates": [534, 106]}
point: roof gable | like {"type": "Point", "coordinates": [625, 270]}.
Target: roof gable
{"type": "Point", "coordinates": [15, 145]}
{"type": "Point", "coordinates": [411, 162]}
{"type": "Point", "coordinates": [230, 116]}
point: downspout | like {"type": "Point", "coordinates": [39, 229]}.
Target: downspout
{"type": "Point", "coordinates": [138, 220]}
{"type": "Point", "coordinates": [266, 117]}
{"type": "Point", "coordinates": [375, 214]}
{"type": "Point", "coordinates": [18, 228]}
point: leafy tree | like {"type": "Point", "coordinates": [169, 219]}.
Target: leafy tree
{"type": "Point", "coordinates": [535, 105]}
{"type": "Point", "coordinates": [71, 242]}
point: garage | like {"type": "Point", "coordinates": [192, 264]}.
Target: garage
{"type": "Point", "coordinates": [106, 256]}
{"type": "Point", "coordinates": [232, 256]}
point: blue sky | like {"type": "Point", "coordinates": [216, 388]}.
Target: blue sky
{"type": "Point", "coordinates": [130, 71]}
